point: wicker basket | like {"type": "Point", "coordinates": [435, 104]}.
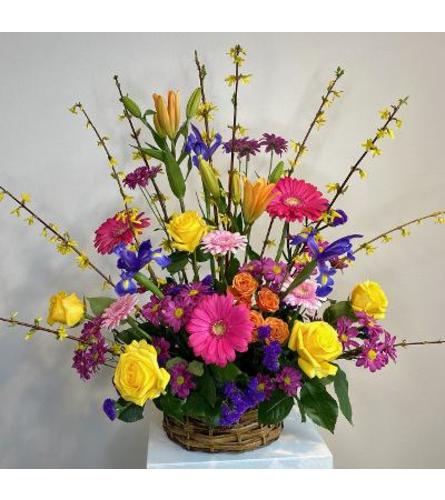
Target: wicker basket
{"type": "Point", "coordinates": [247, 435]}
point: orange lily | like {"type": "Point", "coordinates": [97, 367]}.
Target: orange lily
{"type": "Point", "coordinates": [166, 119]}
{"type": "Point", "coordinates": [257, 195]}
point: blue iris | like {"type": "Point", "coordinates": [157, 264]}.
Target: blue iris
{"type": "Point", "coordinates": [196, 144]}
{"type": "Point", "coordinates": [336, 249]}
{"type": "Point", "coordinates": [130, 263]}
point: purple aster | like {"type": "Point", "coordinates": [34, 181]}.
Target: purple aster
{"type": "Point", "coordinates": [390, 347]}
{"type": "Point", "coordinates": [91, 351]}
{"type": "Point", "coordinates": [273, 271]}
{"type": "Point", "coordinates": [254, 267]}
{"type": "Point", "coordinates": [244, 147]}
{"type": "Point", "coordinates": [372, 356]}
{"type": "Point", "coordinates": [274, 143]}
{"type": "Point", "coordinates": [197, 289]}
{"type": "Point", "coordinates": [176, 311]}
{"type": "Point", "coordinates": [172, 288]}
{"type": "Point", "coordinates": [152, 309]}
{"type": "Point", "coordinates": [141, 176]}
{"type": "Point", "coordinates": [259, 389]}
{"type": "Point", "coordinates": [347, 333]}
{"type": "Point", "coordinates": [369, 325]}
{"type": "Point", "coordinates": [109, 408]}
{"type": "Point", "coordinates": [181, 381]}
{"type": "Point", "coordinates": [162, 347]}
{"type": "Point", "coordinates": [289, 380]}
{"type": "Point", "coordinates": [271, 355]}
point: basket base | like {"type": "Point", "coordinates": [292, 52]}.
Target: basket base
{"type": "Point", "coordinates": [247, 435]}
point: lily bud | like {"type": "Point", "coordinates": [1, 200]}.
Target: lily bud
{"type": "Point", "coordinates": [235, 186]}
{"type": "Point", "coordinates": [167, 117]}
{"type": "Point", "coordinates": [193, 103]}
{"type": "Point", "coordinates": [209, 178]}
{"type": "Point", "coordinates": [277, 172]}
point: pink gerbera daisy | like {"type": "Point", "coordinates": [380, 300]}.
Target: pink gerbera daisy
{"type": "Point", "coordinates": [218, 329]}
{"type": "Point", "coordinates": [118, 311]}
{"type": "Point", "coordinates": [221, 242]}
{"type": "Point", "coordinates": [116, 230]}
{"type": "Point", "coordinates": [296, 199]}
{"type": "Point", "coordinates": [303, 295]}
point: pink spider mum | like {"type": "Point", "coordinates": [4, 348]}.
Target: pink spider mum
{"type": "Point", "coordinates": [116, 230]}
{"type": "Point", "coordinates": [218, 329]}
{"type": "Point", "coordinates": [118, 311]}
{"type": "Point", "coordinates": [303, 295]}
{"type": "Point", "coordinates": [221, 242]}
{"type": "Point", "coordinates": [296, 200]}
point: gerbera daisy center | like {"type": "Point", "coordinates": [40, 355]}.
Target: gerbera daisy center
{"type": "Point", "coordinates": [219, 328]}
{"type": "Point", "coordinates": [292, 201]}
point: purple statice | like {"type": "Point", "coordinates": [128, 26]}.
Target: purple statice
{"type": "Point", "coordinates": [340, 219]}
{"type": "Point", "coordinates": [235, 405]}
{"type": "Point", "coordinates": [91, 351]}
{"type": "Point", "coordinates": [176, 311]}
{"type": "Point", "coordinates": [259, 389]}
{"type": "Point", "coordinates": [271, 356]}
{"type": "Point", "coordinates": [162, 347]}
{"type": "Point", "coordinates": [152, 310]}
{"type": "Point", "coordinates": [274, 143]}
{"type": "Point", "coordinates": [243, 147]}
{"type": "Point", "coordinates": [347, 333]}
{"type": "Point", "coordinates": [289, 380]}
{"type": "Point", "coordinates": [263, 332]}
{"type": "Point", "coordinates": [369, 325]}
{"type": "Point", "coordinates": [273, 272]}
{"type": "Point", "coordinates": [109, 408]}
{"type": "Point", "coordinates": [372, 356]}
{"type": "Point", "coordinates": [141, 176]}
{"type": "Point", "coordinates": [181, 381]}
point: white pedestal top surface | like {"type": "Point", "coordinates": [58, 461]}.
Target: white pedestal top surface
{"type": "Point", "coordinates": [300, 446]}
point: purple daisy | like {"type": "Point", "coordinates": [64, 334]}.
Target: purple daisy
{"type": "Point", "coordinates": [259, 388]}
{"type": "Point", "coordinates": [141, 176]}
{"type": "Point", "coordinates": [162, 347]}
{"type": "Point", "coordinates": [176, 311]}
{"type": "Point", "coordinates": [347, 333]}
{"type": "Point", "coordinates": [244, 147]}
{"type": "Point", "coordinates": [274, 143]}
{"type": "Point", "coordinates": [372, 356]}
{"type": "Point", "coordinates": [181, 381]}
{"type": "Point", "coordinates": [151, 310]}
{"type": "Point", "coordinates": [369, 325]}
{"type": "Point", "coordinates": [254, 267]}
{"type": "Point", "coordinates": [390, 347]}
{"type": "Point", "coordinates": [289, 380]}
{"type": "Point", "coordinates": [91, 351]}
{"type": "Point", "coordinates": [273, 271]}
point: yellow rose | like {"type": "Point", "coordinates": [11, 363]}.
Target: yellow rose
{"type": "Point", "coordinates": [316, 344]}
{"type": "Point", "coordinates": [138, 376]}
{"type": "Point", "coordinates": [187, 230]}
{"type": "Point", "coordinates": [369, 297]}
{"type": "Point", "coordinates": [66, 309]}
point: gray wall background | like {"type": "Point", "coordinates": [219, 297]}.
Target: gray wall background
{"type": "Point", "coordinates": [51, 419]}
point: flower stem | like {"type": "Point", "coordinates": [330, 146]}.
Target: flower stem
{"type": "Point", "coordinates": [266, 239]}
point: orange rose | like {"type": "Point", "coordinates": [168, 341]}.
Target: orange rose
{"type": "Point", "coordinates": [267, 300]}
{"type": "Point", "coordinates": [244, 285]}
{"type": "Point", "coordinates": [258, 320]}
{"type": "Point", "coordinates": [279, 329]}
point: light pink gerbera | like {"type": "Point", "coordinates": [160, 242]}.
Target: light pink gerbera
{"type": "Point", "coordinates": [221, 242]}
{"type": "Point", "coordinates": [218, 329]}
{"type": "Point", "coordinates": [304, 295]}
{"type": "Point", "coordinates": [296, 199]}
{"type": "Point", "coordinates": [116, 230]}
{"type": "Point", "coordinates": [118, 311]}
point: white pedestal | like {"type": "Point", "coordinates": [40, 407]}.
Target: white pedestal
{"type": "Point", "coordinates": [300, 446]}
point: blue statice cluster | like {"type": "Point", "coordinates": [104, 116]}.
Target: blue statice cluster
{"type": "Point", "coordinates": [271, 349]}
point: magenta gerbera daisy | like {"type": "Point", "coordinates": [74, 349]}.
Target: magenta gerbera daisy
{"type": "Point", "coordinates": [222, 242]}
{"type": "Point", "coordinates": [296, 199]}
{"type": "Point", "coordinates": [118, 311]}
{"type": "Point", "coordinates": [116, 230]}
{"type": "Point", "coordinates": [219, 328]}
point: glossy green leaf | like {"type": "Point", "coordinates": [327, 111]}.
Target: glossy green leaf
{"type": "Point", "coordinates": [178, 261]}
{"type": "Point", "coordinates": [319, 405]}
{"type": "Point", "coordinates": [341, 387]}
{"type": "Point", "coordinates": [275, 409]}
{"type": "Point", "coordinates": [99, 304]}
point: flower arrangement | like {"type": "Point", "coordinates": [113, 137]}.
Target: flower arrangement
{"type": "Point", "coordinates": [203, 323]}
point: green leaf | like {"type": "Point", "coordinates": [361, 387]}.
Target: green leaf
{"type": "Point", "coordinates": [131, 107]}
{"type": "Point", "coordinates": [202, 256]}
{"type": "Point", "coordinates": [252, 254]}
{"type": "Point", "coordinates": [157, 154]}
{"type": "Point", "coordinates": [232, 269]}
{"type": "Point", "coordinates": [226, 374]}
{"type": "Point", "coordinates": [129, 412]}
{"type": "Point", "coordinates": [196, 406]}
{"type": "Point", "coordinates": [127, 336]}
{"type": "Point", "coordinates": [303, 275]}
{"type": "Point", "coordinates": [275, 409]}
{"type": "Point", "coordinates": [171, 406]}
{"type": "Point", "coordinates": [196, 368]}
{"type": "Point", "coordinates": [341, 389]}
{"type": "Point", "coordinates": [178, 261]}
{"type": "Point", "coordinates": [319, 405]}
{"type": "Point", "coordinates": [207, 389]}
{"type": "Point", "coordinates": [99, 304]}
{"type": "Point", "coordinates": [174, 361]}
{"type": "Point", "coordinates": [335, 311]}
